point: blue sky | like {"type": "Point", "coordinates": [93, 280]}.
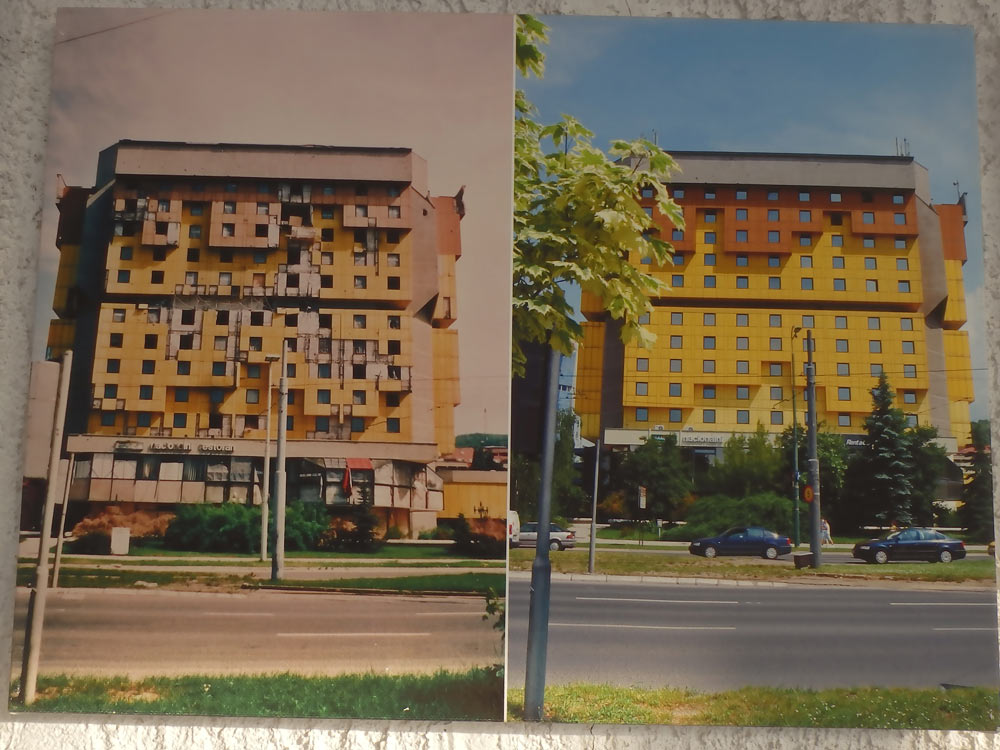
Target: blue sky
{"type": "Point", "coordinates": [781, 86]}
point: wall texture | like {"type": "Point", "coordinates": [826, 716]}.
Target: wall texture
{"type": "Point", "coordinates": [26, 29]}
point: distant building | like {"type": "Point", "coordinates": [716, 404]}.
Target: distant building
{"type": "Point", "coordinates": [849, 248]}
{"type": "Point", "coordinates": [184, 271]}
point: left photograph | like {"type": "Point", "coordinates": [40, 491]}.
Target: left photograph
{"type": "Point", "coordinates": [266, 458]}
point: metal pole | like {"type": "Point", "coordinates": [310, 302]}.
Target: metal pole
{"type": "Point", "coordinates": [795, 448]}
{"type": "Point", "coordinates": [541, 568]}
{"type": "Point", "coordinates": [36, 599]}
{"type": "Point", "coordinates": [814, 511]}
{"type": "Point", "coordinates": [278, 555]}
{"type": "Point", "coordinates": [62, 521]}
{"type": "Point", "coordinates": [593, 509]}
{"type": "Point", "coordinates": [266, 495]}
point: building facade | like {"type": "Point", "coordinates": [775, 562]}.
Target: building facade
{"type": "Point", "coordinates": [187, 268]}
{"type": "Point", "coordinates": [849, 248]}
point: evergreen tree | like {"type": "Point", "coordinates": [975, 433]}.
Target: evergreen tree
{"type": "Point", "coordinates": [881, 489]}
{"type": "Point", "coordinates": [657, 466]}
{"type": "Point", "coordinates": [976, 513]}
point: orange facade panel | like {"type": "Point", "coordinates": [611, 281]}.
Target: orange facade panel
{"type": "Point", "coordinates": [952, 218]}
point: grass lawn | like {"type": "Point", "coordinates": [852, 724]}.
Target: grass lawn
{"type": "Point", "coordinates": [292, 562]}
{"type": "Point", "coordinates": [71, 577]}
{"type": "Point", "coordinates": [876, 708]}
{"type": "Point", "coordinates": [625, 563]}
{"type": "Point", "coordinates": [385, 552]}
{"type": "Point", "coordinates": [473, 695]}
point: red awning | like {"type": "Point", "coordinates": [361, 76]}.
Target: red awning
{"type": "Point", "coordinates": [360, 463]}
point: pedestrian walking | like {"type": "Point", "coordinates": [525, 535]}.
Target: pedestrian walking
{"type": "Point", "coordinates": [825, 528]}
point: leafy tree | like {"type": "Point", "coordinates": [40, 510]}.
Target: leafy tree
{"type": "Point", "coordinates": [482, 460]}
{"type": "Point", "coordinates": [880, 484]}
{"type": "Point", "coordinates": [749, 465]}
{"type": "Point", "coordinates": [976, 512]}
{"type": "Point", "coordinates": [929, 463]}
{"type": "Point", "coordinates": [577, 220]}
{"type": "Point", "coordinates": [525, 475]}
{"type": "Point", "coordinates": [657, 466]}
{"type": "Point", "coordinates": [832, 455]}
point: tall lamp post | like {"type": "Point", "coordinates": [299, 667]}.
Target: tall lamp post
{"type": "Point", "coordinates": [266, 499]}
{"type": "Point", "coordinates": [795, 442]}
{"type": "Point", "coordinates": [278, 556]}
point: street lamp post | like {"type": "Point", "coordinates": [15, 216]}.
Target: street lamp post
{"type": "Point", "coordinates": [795, 443]}
{"type": "Point", "coordinates": [266, 499]}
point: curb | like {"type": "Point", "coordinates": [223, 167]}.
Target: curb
{"type": "Point", "coordinates": [349, 590]}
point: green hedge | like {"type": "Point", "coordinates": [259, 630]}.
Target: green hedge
{"type": "Point", "coordinates": [713, 514]}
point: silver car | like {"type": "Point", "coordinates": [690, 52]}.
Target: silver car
{"type": "Point", "coordinates": [559, 538]}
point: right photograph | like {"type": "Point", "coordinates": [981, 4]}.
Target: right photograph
{"type": "Point", "coordinates": [750, 470]}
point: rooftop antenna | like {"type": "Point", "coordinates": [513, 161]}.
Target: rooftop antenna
{"type": "Point", "coordinates": [654, 138]}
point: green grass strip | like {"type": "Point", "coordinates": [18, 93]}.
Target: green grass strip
{"type": "Point", "coordinates": [864, 708]}
{"type": "Point", "coordinates": [473, 695]}
{"type": "Point", "coordinates": [292, 563]}
{"type": "Point", "coordinates": [743, 568]}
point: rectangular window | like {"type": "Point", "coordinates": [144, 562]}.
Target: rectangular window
{"type": "Point", "coordinates": [774, 369]}
{"type": "Point", "coordinates": [742, 367]}
{"type": "Point", "coordinates": [642, 364]}
{"type": "Point", "coordinates": [805, 240]}
{"type": "Point", "coordinates": [253, 396]}
{"type": "Point", "coordinates": [742, 261]}
{"type": "Point", "coordinates": [710, 217]}
{"type": "Point", "coordinates": [773, 261]}
{"type": "Point", "coordinates": [874, 346]}
{"type": "Point", "coordinates": [836, 220]}
{"type": "Point", "coordinates": [840, 285]}
{"type": "Point", "coordinates": [708, 391]}
{"type": "Point", "coordinates": [867, 217]}
{"type": "Point", "coordinates": [874, 324]}
{"type": "Point", "coordinates": [708, 365]}
{"type": "Point", "coordinates": [360, 282]}
{"type": "Point", "coordinates": [225, 279]}
{"type": "Point", "coordinates": [642, 389]}
{"type": "Point", "coordinates": [709, 238]}
{"type": "Point", "coordinates": [835, 198]}
{"type": "Point", "coordinates": [708, 319]}
{"type": "Point", "coordinates": [871, 264]}
{"type": "Point", "coordinates": [115, 340]}
{"type": "Point", "coordinates": [805, 216]}
{"type": "Point", "coordinates": [741, 235]}
{"type": "Point", "coordinates": [807, 283]}
{"type": "Point", "coordinates": [676, 318]}
{"type": "Point", "coordinates": [842, 345]}
{"type": "Point", "coordinates": [742, 319]}
{"type": "Point", "coordinates": [743, 416]}
{"type": "Point", "coordinates": [838, 261]}
{"type": "Point", "coordinates": [675, 389]}
{"type": "Point", "coordinates": [909, 371]}
{"type": "Point", "coordinates": [741, 214]}
{"type": "Point", "coordinates": [392, 423]}
{"type": "Point", "coordinates": [144, 419]}
{"type": "Point", "coordinates": [774, 321]}
{"type": "Point", "coordinates": [803, 196]}
{"type": "Point", "coordinates": [146, 392]}
{"type": "Point", "coordinates": [805, 261]}
{"type": "Point", "coordinates": [218, 368]}
{"type": "Point", "coordinates": [125, 253]}
{"type": "Point", "coordinates": [709, 282]}
{"type": "Point", "coordinates": [123, 276]}
{"type": "Point", "coordinates": [899, 219]}
{"type": "Point", "coordinates": [708, 342]}
{"type": "Point", "coordinates": [908, 347]}
{"type": "Point", "coordinates": [183, 367]}
{"type": "Point", "coordinates": [906, 324]}
{"type": "Point", "coordinates": [677, 235]}
{"type": "Point", "coordinates": [777, 417]}
{"type": "Point", "coordinates": [843, 368]}
{"type": "Point", "coordinates": [808, 321]}
{"type": "Point", "coordinates": [709, 259]}
{"type": "Point", "coordinates": [840, 321]}
{"type": "Point", "coordinates": [776, 393]}
{"type": "Point", "coordinates": [194, 231]}
{"type": "Point", "coordinates": [675, 365]}
{"type": "Point", "coordinates": [871, 285]}
{"type": "Point", "coordinates": [844, 420]}
{"type": "Point", "coordinates": [148, 367]}
{"type": "Point", "coordinates": [843, 394]}
{"type": "Point", "coordinates": [773, 236]}
{"type": "Point", "coordinates": [902, 264]}
{"type": "Point", "coordinates": [741, 195]}
{"type": "Point", "coordinates": [326, 234]}
{"type": "Point", "coordinates": [641, 414]}
{"type": "Point", "coordinates": [909, 397]}
{"type": "Point", "coordinates": [772, 195]}
{"type": "Point", "coordinates": [708, 416]}
{"type": "Point", "coordinates": [191, 278]}
{"type": "Point", "coordinates": [775, 344]}
{"type": "Point", "coordinates": [220, 343]}
{"type": "Point", "coordinates": [742, 392]}
{"type": "Point", "coordinates": [774, 282]}
{"type": "Point", "coordinates": [875, 369]}
{"type": "Point", "coordinates": [742, 282]}
{"type": "Point", "coordinates": [710, 193]}
{"type": "Point", "coordinates": [676, 342]}
{"type": "Point", "coordinates": [357, 424]}
{"type": "Point", "coordinates": [228, 230]}
{"type": "Point", "coordinates": [197, 209]}
{"type": "Point", "coordinates": [674, 415]}
{"type": "Point", "coordinates": [903, 286]}
{"type": "Point", "coordinates": [180, 420]}
{"type": "Point", "coordinates": [900, 243]}
{"type": "Point", "coordinates": [742, 342]}
{"type": "Point", "coordinates": [149, 341]}
{"type": "Point", "coordinates": [772, 214]}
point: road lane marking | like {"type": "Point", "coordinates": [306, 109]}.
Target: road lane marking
{"type": "Point", "coordinates": [639, 627]}
{"type": "Point", "coordinates": [991, 630]}
{"type": "Point", "coordinates": [350, 635]}
{"type": "Point", "coordinates": [656, 601]}
{"type": "Point", "coordinates": [942, 604]}
{"type": "Point", "coordinates": [239, 614]}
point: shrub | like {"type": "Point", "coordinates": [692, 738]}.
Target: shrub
{"type": "Point", "coordinates": [471, 544]}
{"type": "Point", "coordinates": [229, 527]}
{"type": "Point", "coordinates": [438, 532]}
{"type": "Point", "coordinates": [713, 514]}
{"type": "Point", "coordinates": [94, 543]}
{"type": "Point", "coordinates": [353, 532]}
{"type": "Point", "coordinates": [394, 532]}
{"type": "Point", "coordinates": [305, 524]}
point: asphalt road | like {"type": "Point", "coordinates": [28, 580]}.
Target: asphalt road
{"type": "Point", "coordinates": [714, 638]}
{"type": "Point", "coordinates": [145, 633]}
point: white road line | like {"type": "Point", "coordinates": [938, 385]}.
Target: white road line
{"type": "Point", "coordinates": [350, 635]}
{"type": "Point", "coordinates": [942, 604]}
{"type": "Point", "coordinates": [991, 630]}
{"type": "Point", "coordinates": [655, 601]}
{"type": "Point", "coordinates": [239, 614]}
{"type": "Point", "coordinates": [637, 627]}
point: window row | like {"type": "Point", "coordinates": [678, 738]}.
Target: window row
{"type": "Point", "coordinates": [806, 283]}
{"type": "Point", "coordinates": [710, 193]}
{"type": "Point", "coordinates": [292, 280]}
{"type": "Point", "coordinates": [324, 370]}
{"type": "Point", "coordinates": [776, 344]}
{"type": "Point", "coordinates": [709, 416]}
{"type": "Point", "coordinates": [776, 392]}
{"type": "Point", "coordinates": [805, 216]}
{"type": "Point", "coordinates": [251, 422]}
{"type": "Point", "coordinates": [774, 369]}
{"type": "Point", "coordinates": [775, 320]}
{"type": "Point", "coordinates": [222, 317]}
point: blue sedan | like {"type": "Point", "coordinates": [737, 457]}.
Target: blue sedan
{"type": "Point", "coordinates": [911, 544]}
{"type": "Point", "coordinates": [743, 540]}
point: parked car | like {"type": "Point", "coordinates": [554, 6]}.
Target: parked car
{"type": "Point", "coordinates": [513, 528]}
{"type": "Point", "coordinates": [910, 544]}
{"type": "Point", "coordinates": [559, 538]}
{"type": "Point", "coordinates": [743, 540]}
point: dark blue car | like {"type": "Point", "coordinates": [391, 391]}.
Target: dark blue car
{"type": "Point", "coordinates": [911, 544]}
{"type": "Point", "coordinates": [743, 540]}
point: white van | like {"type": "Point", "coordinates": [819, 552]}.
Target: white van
{"type": "Point", "coordinates": [513, 528]}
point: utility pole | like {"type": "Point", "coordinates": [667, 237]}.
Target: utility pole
{"type": "Point", "coordinates": [541, 568]}
{"type": "Point", "coordinates": [593, 509]}
{"type": "Point", "coordinates": [278, 554]}
{"type": "Point", "coordinates": [814, 511]}
{"type": "Point", "coordinates": [62, 520]}
{"type": "Point", "coordinates": [795, 445]}
{"type": "Point", "coordinates": [265, 500]}
{"type": "Point", "coordinates": [38, 594]}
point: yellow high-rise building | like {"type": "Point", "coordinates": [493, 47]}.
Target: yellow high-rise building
{"type": "Point", "coordinates": [850, 248]}
{"type": "Point", "coordinates": [187, 269]}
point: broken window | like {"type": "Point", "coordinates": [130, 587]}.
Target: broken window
{"type": "Point", "coordinates": [260, 230]}
{"type": "Point", "coordinates": [187, 317]}
{"type": "Point", "coordinates": [394, 321]}
{"type": "Point", "coordinates": [394, 347]}
{"type": "Point", "coordinates": [228, 230]}
{"type": "Point", "coordinates": [392, 282]}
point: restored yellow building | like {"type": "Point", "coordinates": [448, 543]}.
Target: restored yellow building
{"type": "Point", "coordinates": [188, 267]}
{"type": "Point", "coordinates": [850, 248]}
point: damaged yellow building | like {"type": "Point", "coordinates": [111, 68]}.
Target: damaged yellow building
{"type": "Point", "coordinates": [186, 269]}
